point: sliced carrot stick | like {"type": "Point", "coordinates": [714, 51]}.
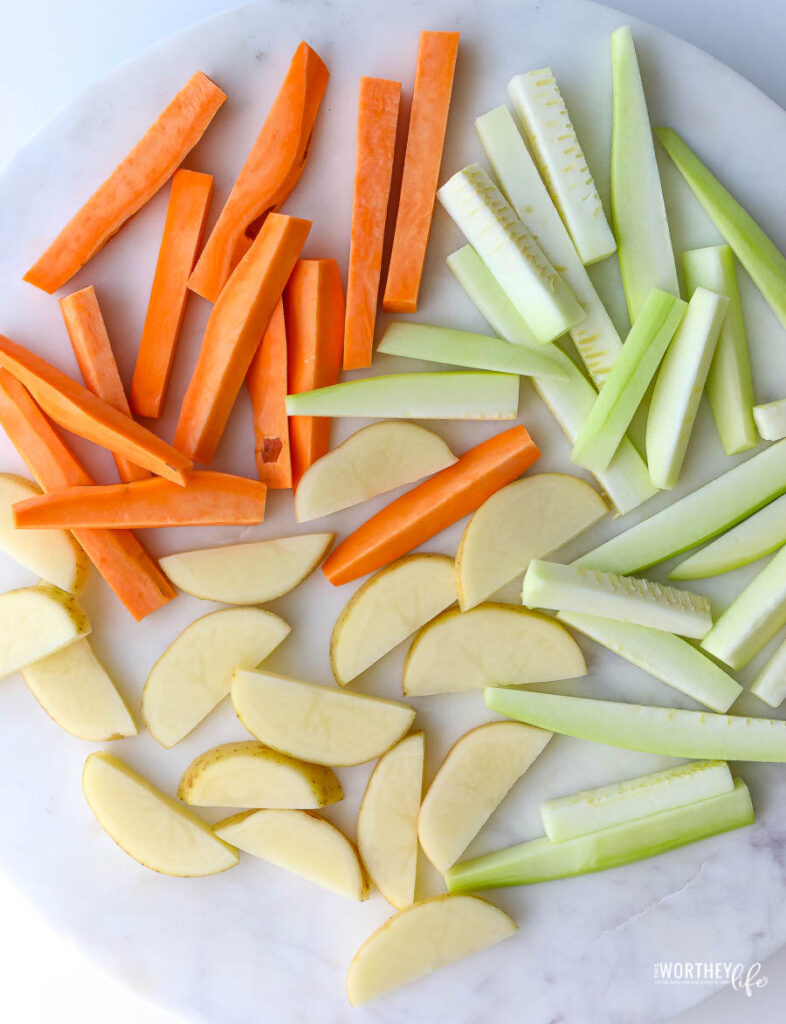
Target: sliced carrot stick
{"type": "Point", "coordinates": [425, 139]}
{"type": "Point", "coordinates": [83, 413]}
{"type": "Point", "coordinates": [376, 142]}
{"type": "Point", "coordinates": [93, 351]}
{"type": "Point", "coordinates": [189, 199]}
{"type": "Point", "coordinates": [137, 178]}
{"type": "Point", "coordinates": [271, 171]}
{"type": "Point", "coordinates": [267, 385]}
{"type": "Point", "coordinates": [233, 333]}
{"type": "Point", "coordinates": [314, 315]}
{"type": "Point", "coordinates": [208, 499]}
{"type": "Point", "coordinates": [432, 506]}
{"type": "Point", "coordinates": [117, 554]}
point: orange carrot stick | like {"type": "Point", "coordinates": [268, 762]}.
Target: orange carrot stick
{"type": "Point", "coordinates": [271, 171]}
{"type": "Point", "coordinates": [314, 315]}
{"type": "Point", "coordinates": [117, 554]}
{"type": "Point", "coordinates": [267, 385]}
{"type": "Point", "coordinates": [208, 499]}
{"type": "Point", "coordinates": [233, 333]}
{"type": "Point", "coordinates": [83, 413]}
{"type": "Point", "coordinates": [189, 199]}
{"type": "Point", "coordinates": [426, 137]}
{"type": "Point", "coordinates": [376, 142]}
{"type": "Point", "coordinates": [134, 181]}
{"type": "Point", "coordinates": [93, 351]}
{"type": "Point", "coordinates": [432, 506]}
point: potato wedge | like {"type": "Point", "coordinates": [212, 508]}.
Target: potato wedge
{"type": "Point", "coordinates": [150, 826]}
{"type": "Point", "coordinates": [421, 939]}
{"type": "Point", "coordinates": [194, 673]}
{"type": "Point", "coordinates": [251, 573]}
{"type": "Point", "coordinates": [35, 622]}
{"type": "Point", "coordinates": [491, 645]}
{"type": "Point", "coordinates": [528, 519]}
{"type": "Point", "coordinates": [74, 689]}
{"type": "Point", "coordinates": [300, 842]}
{"type": "Point", "coordinates": [249, 774]}
{"type": "Point", "coordinates": [317, 723]}
{"type": "Point", "coordinates": [388, 821]}
{"type": "Point", "coordinates": [373, 460]}
{"type": "Point", "coordinates": [388, 608]}
{"type": "Point", "coordinates": [474, 778]}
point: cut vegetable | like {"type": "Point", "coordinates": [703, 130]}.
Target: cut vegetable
{"type": "Point", "coordinates": [388, 821]}
{"type": "Point", "coordinates": [35, 622]}
{"type": "Point", "coordinates": [770, 683]}
{"type": "Point", "coordinates": [666, 657]}
{"type": "Point", "coordinates": [527, 519]}
{"type": "Point", "coordinates": [541, 860]}
{"type": "Point", "coordinates": [212, 499]}
{"type": "Point", "coordinates": [624, 598]}
{"type": "Point", "coordinates": [387, 609]}
{"type": "Point", "coordinates": [421, 513]}
{"type": "Point", "coordinates": [592, 810]}
{"type": "Point", "coordinates": [626, 481]}
{"type": "Point", "coordinates": [679, 385]}
{"type": "Point", "coordinates": [771, 420]}
{"type": "Point", "coordinates": [640, 225]}
{"type": "Point", "coordinates": [136, 179]}
{"type": "Point", "coordinates": [753, 248]}
{"type": "Point", "coordinates": [373, 460]}
{"type": "Point", "coordinates": [669, 731]}
{"type": "Point", "coordinates": [317, 723]}
{"type": "Point", "coordinates": [627, 383]}
{"type": "Point", "coordinates": [428, 396]}
{"type": "Point", "coordinates": [233, 332]}
{"type": "Point", "coordinates": [544, 117]}
{"type": "Point", "coordinates": [428, 120]}
{"type": "Point", "coordinates": [194, 674]}
{"type": "Point", "coordinates": [704, 514]}
{"type": "Point", "coordinates": [74, 689]}
{"type": "Point", "coordinates": [753, 618]}
{"type": "Point", "coordinates": [494, 643]}
{"type": "Point", "coordinates": [729, 385]}
{"type": "Point", "coordinates": [250, 573]}
{"type": "Point", "coordinates": [473, 780]}
{"type": "Point", "coordinates": [271, 171]}
{"type": "Point", "coordinates": [149, 826]}
{"type": "Point", "coordinates": [461, 348]}
{"type": "Point", "coordinates": [267, 381]}
{"type": "Point", "coordinates": [595, 337]}
{"type": "Point", "coordinates": [488, 222]}
{"type": "Point", "coordinates": [83, 413]}
{"type": "Point", "coordinates": [189, 199]}
{"type": "Point", "coordinates": [378, 104]}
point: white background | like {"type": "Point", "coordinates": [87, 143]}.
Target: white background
{"type": "Point", "coordinates": [49, 51]}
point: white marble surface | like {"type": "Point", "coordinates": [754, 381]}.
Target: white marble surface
{"type": "Point", "coordinates": [587, 946]}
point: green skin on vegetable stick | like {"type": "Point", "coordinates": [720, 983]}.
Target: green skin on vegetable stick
{"type": "Point", "coordinates": [756, 252]}
{"type": "Point", "coordinates": [627, 384]}
{"type": "Point", "coordinates": [729, 385]}
{"type": "Point", "coordinates": [700, 516]}
{"type": "Point", "coordinates": [679, 386]}
{"type": "Point", "coordinates": [770, 684]}
{"type": "Point", "coordinates": [626, 482]}
{"type": "Point", "coordinates": [639, 212]}
{"type": "Point", "coordinates": [771, 420]}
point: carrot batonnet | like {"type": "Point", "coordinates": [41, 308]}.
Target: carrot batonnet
{"type": "Point", "coordinates": [432, 506]}
{"type": "Point", "coordinates": [426, 137]}
{"type": "Point", "coordinates": [314, 316]}
{"type": "Point", "coordinates": [83, 413]}
{"type": "Point", "coordinates": [376, 142]}
{"type": "Point", "coordinates": [189, 199]}
{"type": "Point", "coordinates": [208, 499]}
{"type": "Point", "coordinates": [93, 351]}
{"type": "Point", "coordinates": [267, 385]}
{"type": "Point", "coordinates": [233, 333]}
{"type": "Point", "coordinates": [134, 181]}
{"type": "Point", "coordinates": [117, 554]}
{"type": "Point", "coordinates": [271, 171]}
